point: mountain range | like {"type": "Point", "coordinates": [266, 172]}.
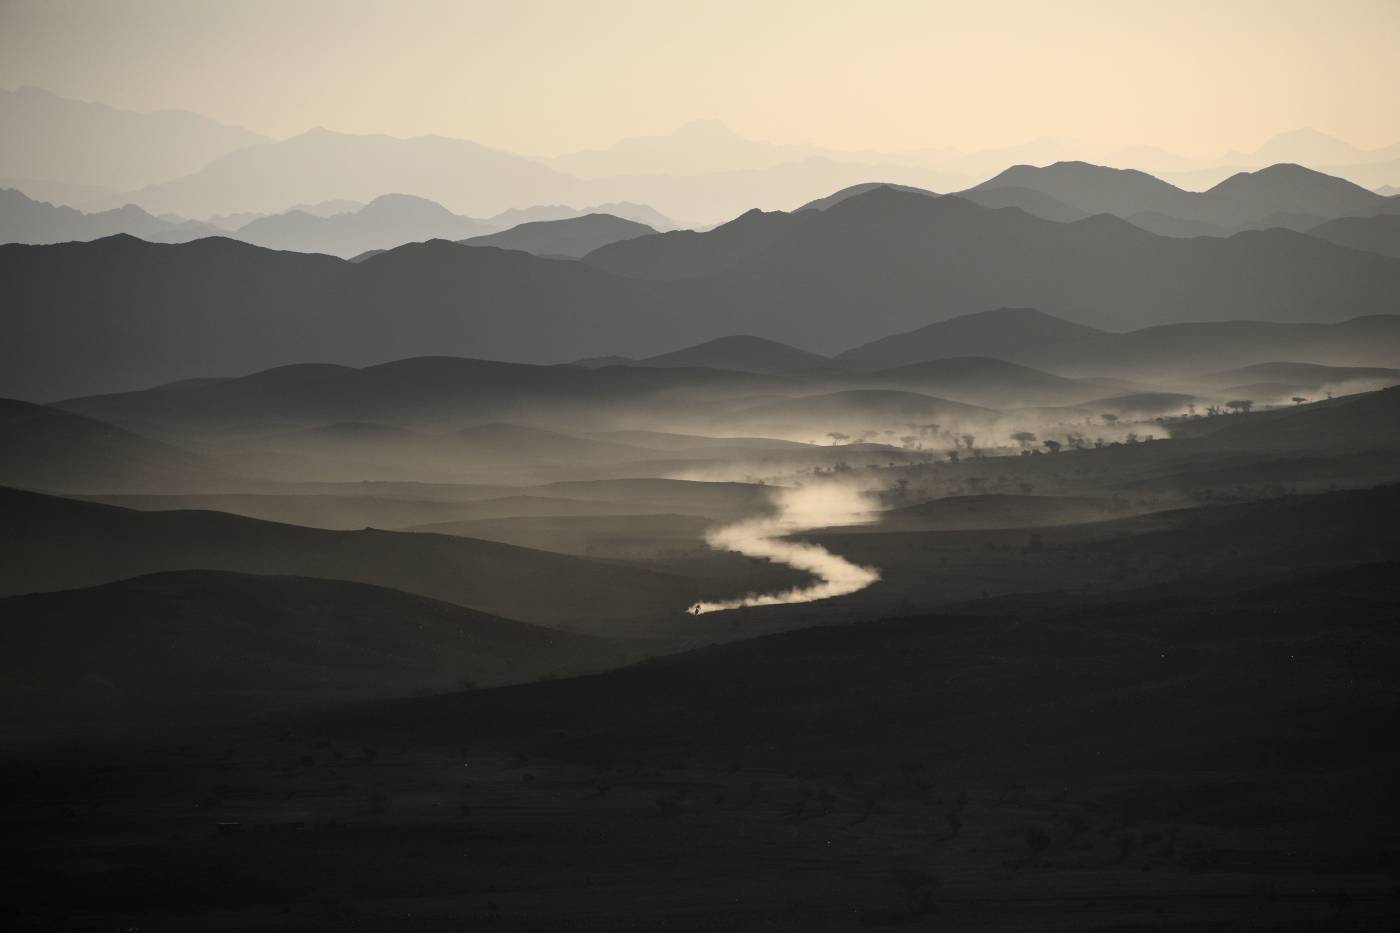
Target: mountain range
{"type": "Point", "coordinates": [173, 162]}
{"type": "Point", "coordinates": [117, 311]}
{"type": "Point", "coordinates": [1281, 195]}
{"type": "Point", "coordinates": [56, 147]}
{"type": "Point", "coordinates": [347, 229]}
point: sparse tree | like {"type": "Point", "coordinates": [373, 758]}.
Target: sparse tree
{"type": "Point", "coordinates": [1109, 418]}
{"type": "Point", "coordinates": [1298, 399]}
{"type": "Point", "coordinates": [1052, 446]}
{"type": "Point", "coordinates": [953, 456]}
{"type": "Point", "coordinates": [837, 437]}
{"type": "Point", "coordinates": [968, 440]}
{"type": "Point", "coordinates": [1240, 406]}
{"type": "Point", "coordinates": [1024, 439]}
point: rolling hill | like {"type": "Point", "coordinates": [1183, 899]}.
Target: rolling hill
{"type": "Point", "coordinates": [1282, 195]}
{"type": "Point", "coordinates": [198, 646]}
{"type": "Point", "coordinates": [740, 353]}
{"type": "Point", "coordinates": [1033, 338]}
{"type": "Point", "coordinates": [980, 380]}
{"type": "Point", "coordinates": [46, 448]}
{"type": "Point", "coordinates": [1378, 234]}
{"type": "Point", "coordinates": [854, 411]}
{"type": "Point", "coordinates": [1300, 374]}
{"type": "Point", "coordinates": [433, 392]}
{"type": "Point", "coordinates": [114, 308]}
{"type": "Point", "coordinates": [388, 221]}
{"type": "Point", "coordinates": [52, 544]}
{"type": "Point", "coordinates": [686, 254]}
{"type": "Point", "coordinates": [570, 238]}
{"type": "Point", "coordinates": [267, 176]}
{"type": "Point", "coordinates": [23, 220]}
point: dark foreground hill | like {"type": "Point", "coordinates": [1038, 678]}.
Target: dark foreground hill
{"type": "Point", "coordinates": [1366, 421]}
{"type": "Point", "coordinates": [1166, 761]}
{"type": "Point", "coordinates": [52, 544]}
{"type": "Point", "coordinates": [194, 646]}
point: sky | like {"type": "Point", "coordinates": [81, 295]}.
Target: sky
{"type": "Point", "coordinates": [543, 77]}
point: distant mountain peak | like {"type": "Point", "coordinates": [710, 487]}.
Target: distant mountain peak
{"type": "Point", "coordinates": [709, 128]}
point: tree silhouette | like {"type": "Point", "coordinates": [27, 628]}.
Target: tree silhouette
{"type": "Point", "coordinates": [1024, 438]}
{"type": "Point", "coordinates": [1240, 406]}
{"type": "Point", "coordinates": [1298, 400]}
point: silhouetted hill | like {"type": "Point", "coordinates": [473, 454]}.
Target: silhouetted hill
{"type": "Point", "coordinates": [1366, 421]}
{"type": "Point", "coordinates": [572, 237]}
{"type": "Point", "coordinates": [1034, 338]}
{"type": "Point", "coordinates": [82, 143]}
{"type": "Point", "coordinates": [821, 204]}
{"type": "Point", "coordinates": [685, 254]}
{"type": "Point", "coordinates": [627, 210]}
{"type": "Point", "coordinates": [1300, 374]}
{"type": "Point", "coordinates": [1094, 189]}
{"type": "Point", "coordinates": [52, 543]}
{"type": "Point", "coordinates": [983, 381]}
{"type": "Point", "coordinates": [856, 410]}
{"type": "Point", "coordinates": [1167, 225]}
{"type": "Point", "coordinates": [894, 255]}
{"type": "Point", "coordinates": [386, 222]}
{"type": "Point", "coordinates": [359, 451]}
{"type": "Point", "coordinates": [741, 353]}
{"type": "Point", "coordinates": [1004, 333]}
{"type": "Point", "coordinates": [1033, 202]}
{"type": "Point", "coordinates": [197, 646]}
{"type": "Point", "coordinates": [1247, 200]}
{"type": "Point", "coordinates": [23, 220]}
{"type": "Point", "coordinates": [1143, 404]}
{"type": "Point", "coordinates": [952, 513]}
{"type": "Point", "coordinates": [46, 448]}
{"type": "Point", "coordinates": [433, 391]}
{"type": "Point", "coordinates": [1294, 189]}
{"type": "Point", "coordinates": [1378, 234]}
{"type": "Point", "coordinates": [118, 313]}
{"type": "Point", "coordinates": [836, 697]}
{"type": "Point", "coordinates": [459, 174]}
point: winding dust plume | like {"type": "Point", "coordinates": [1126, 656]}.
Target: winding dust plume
{"type": "Point", "coordinates": [799, 509]}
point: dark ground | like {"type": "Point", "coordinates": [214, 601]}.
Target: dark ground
{"type": "Point", "coordinates": [1158, 761]}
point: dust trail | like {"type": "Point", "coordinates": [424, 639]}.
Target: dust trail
{"type": "Point", "coordinates": [799, 509]}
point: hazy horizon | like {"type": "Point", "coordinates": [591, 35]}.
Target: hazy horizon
{"type": "Point", "coordinates": [1195, 81]}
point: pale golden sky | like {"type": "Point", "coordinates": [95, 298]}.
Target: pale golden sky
{"type": "Point", "coordinates": [546, 77]}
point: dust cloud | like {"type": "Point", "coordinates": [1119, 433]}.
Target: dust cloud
{"type": "Point", "coordinates": [802, 508]}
